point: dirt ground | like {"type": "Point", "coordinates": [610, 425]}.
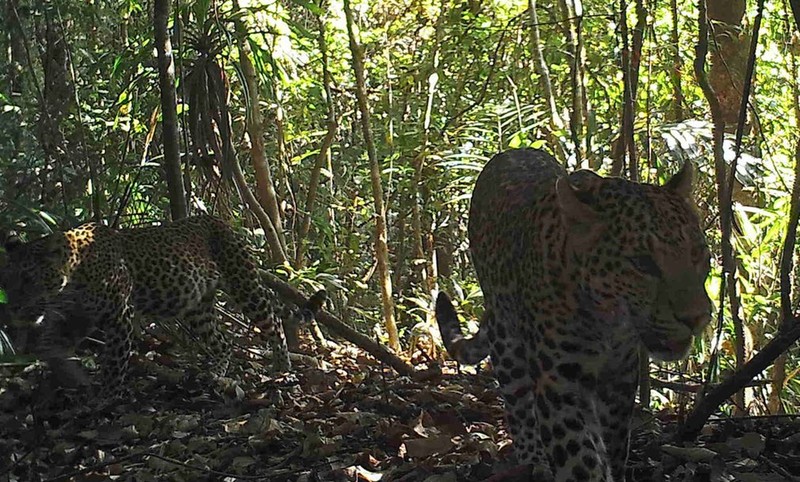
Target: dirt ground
{"type": "Point", "coordinates": [342, 416]}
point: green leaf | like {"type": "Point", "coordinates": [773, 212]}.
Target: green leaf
{"type": "Point", "coordinates": [313, 8]}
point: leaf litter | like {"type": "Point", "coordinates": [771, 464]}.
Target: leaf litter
{"type": "Point", "coordinates": [341, 416]}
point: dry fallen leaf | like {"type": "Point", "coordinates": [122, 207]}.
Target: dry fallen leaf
{"type": "Point", "coordinates": [690, 454]}
{"type": "Point", "coordinates": [425, 447]}
{"type": "Point", "coordinates": [751, 443]}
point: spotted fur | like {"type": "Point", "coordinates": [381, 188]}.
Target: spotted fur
{"type": "Point", "coordinates": [93, 277]}
{"type": "Point", "coordinates": [577, 271]}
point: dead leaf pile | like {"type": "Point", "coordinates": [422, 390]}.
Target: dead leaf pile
{"type": "Point", "coordinates": [344, 418]}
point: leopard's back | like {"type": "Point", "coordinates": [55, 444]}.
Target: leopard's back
{"type": "Point", "coordinates": [173, 265]}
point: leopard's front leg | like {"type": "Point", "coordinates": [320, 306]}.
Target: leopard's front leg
{"type": "Point", "coordinates": [511, 369]}
{"type": "Point", "coordinates": [74, 315]}
{"type": "Point", "coordinates": [106, 302]}
{"type": "Point", "coordinates": [615, 409]}
{"type": "Point", "coordinates": [569, 425]}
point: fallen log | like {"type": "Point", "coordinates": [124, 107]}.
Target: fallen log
{"type": "Point", "coordinates": [380, 352]}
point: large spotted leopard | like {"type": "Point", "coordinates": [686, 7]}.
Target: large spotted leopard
{"type": "Point", "coordinates": [94, 277]}
{"type": "Point", "coordinates": [577, 270]}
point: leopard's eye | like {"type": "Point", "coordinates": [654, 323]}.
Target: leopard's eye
{"type": "Point", "coordinates": [645, 264]}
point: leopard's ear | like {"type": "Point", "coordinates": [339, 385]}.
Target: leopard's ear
{"type": "Point", "coordinates": [584, 177]}
{"type": "Point", "coordinates": [582, 223]}
{"type": "Point", "coordinates": [681, 182]}
{"type": "Point", "coordinates": [574, 199]}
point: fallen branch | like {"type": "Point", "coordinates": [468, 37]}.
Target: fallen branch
{"type": "Point", "coordinates": [760, 362]}
{"type": "Point", "coordinates": [694, 387]}
{"type": "Point", "coordinates": [380, 352]}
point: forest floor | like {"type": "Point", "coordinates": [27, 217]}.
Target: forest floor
{"type": "Point", "coordinates": [343, 417]}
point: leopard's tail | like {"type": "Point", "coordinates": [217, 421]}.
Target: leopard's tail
{"type": "Point", "coordinates": [469, 351]}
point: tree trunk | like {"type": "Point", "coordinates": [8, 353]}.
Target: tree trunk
{"type": "Point", "coordinates": [633, 166]}
{"type": "Point", "coordinates": [16, 47]}
{"type": "Point", "coordinates": [644, 377]}
{"type": "Point", "coordinates": [729, 55]}
{"type": "Point", "coordinates": [706, 405]}
{"type": "Point", "coordinates": [580, 79]}
{"type": "Point", "coordinates": [423, 259]}
{"type": "Point", "coordinates": [280, 154]}
{"type": "Point", "coordinates": [16, 60]}
{"type": "Point", "coordinates": [789, 294]}
{"type": "Point", "coordinates": [324, 155]}
{"type": "Point", "coordinates": [58, 96]}
{"type": "Point", "coordinates": [631, 55]}
{"type": "Point", "coordinates": [278, 256]}
{"type": "Point", "coordinates": [571, 20]}
{"type": "Point", "coordinates": [265, 188]}
{"type": "Point", "coordinates": [267, 198]}
{"type": "Point", "coordinates": [635, 60]}
{"type": "Point", "coordinates": [381, 236]}
{"type": "Point", "coordinates": [725, 82]}
{"type": "Point", "coordinates": [169, 113]}
{"type": "Point", "coordinates": [677, 65]}
{"type": "Point", "coordinates": [541, 69]}
{"type": "Point", "coordinates": [220, 117]}
{"type": "Point", "coordinates": [777, 381]}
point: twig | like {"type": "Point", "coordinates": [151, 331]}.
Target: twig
{"type": "Point", "coordinates": [34, 80]}
{"type": "Point", "coordinates": [777, 468]}
{"type": "Point", "coordinates": [17, 462]}
{"type": "Point", "coordinates": [485, 86]}
{"type": "Point", "coordinates": [695, 387]}
{"type": "Point", "coordinates": [718, 131]}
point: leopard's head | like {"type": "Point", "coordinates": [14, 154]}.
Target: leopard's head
{"type": "Point", "coordinates": [642, 244]}
{"type": "Point", "coordinates": [32, 273]}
